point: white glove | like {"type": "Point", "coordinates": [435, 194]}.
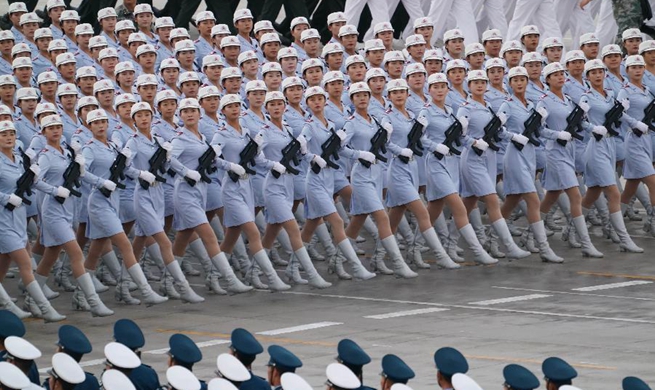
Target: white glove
{"type": "Point", "coordinates": [520, 138]}
{"type": "Point", "coordinates": [110, 185]}
{"type": "Point", "coordinates": [465, 123]}
{"type": "Point", "coordinates": [30, 153]}
{"type": "Point", "coordinates": [238, 169]}
{"type": "Point", "coordinates": [443, 149]}
{"type": "Point", "coordinates": [585, 106]}
{"type": "Point", "coordinates": [388, 127]}
{"type": "Point", "coordinates": [303, 143]}
{"type": "Point", "coordinates": [76, 145]}
{"type": "Point", "coordinates": [642, 127]}
{"type": "Point", "coordinates": [544, 114]}
{"type": "Point", "coordinates": [279, 168]}
{"type": "Point", "coordinates": [342, 135]}
{"type": "Point", "coordinates": [79, 158]}
{"type": "Point", "coordinates": [168, 147]}
{"type": "Point", "coordinates": [564, 135]}
{"type": "Point", "coordinates": [218, 149]}
{"type": "Point", "coordinates": [62, 192]}
{"type": "Point", "coordinates": [318, 160]}
{"type": "Point", "coordinates": [15, 200]}
{"type": "Point", "coordinates": [36, 169]}
{"type": "Point", "coordinates": [600, 130]}
{"type": "Point", "coordinates": [367, 156]}
{"type": "Point", "coordinates": [422, 120]}
{"type": "Point", "coordinates": [503, 118]}
{"type": "Point", "coordinates": [406, 152]}
{"type": "Point", "coordinates": [481, 144]}
{"type": "Point", "coordinates": [259, 138]}
{"type": "Point", "coordinates": [193, 175]}
{"type": "Point", "coordinates": [147, 176]}
{"type": "Point", "coordinates": [127, 152]}
{"type": "Point", "coordinates": [626, 104]}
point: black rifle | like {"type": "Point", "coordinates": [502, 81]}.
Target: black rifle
{"type": "Point", "coordinates": [414, 141]}
{"type": "Point", "coordinates": [24, 182]}
{"type": "Point", "coordinates": [453, 137]}
{"type": "Point", "coordinates": [649, 117]}
{"type": "Point", "coordinates": [290, 158]}
{"type": "Point", "coordinates": [612, 120]}
{"type": "Point", "coordinates": [329, 150]}
{"type": "Point", "coordinates": [116, 174]}
{"type": "Point", "coordinates": [71, 177]}
{"type": "Point", "coordinates": [573, 124]}
{"type": "Point", "coordinates": [205, 166]}
{"type": "Point", "coordinates": [531, 131]}
{"type": "Point", "coordinates": [378, 145]}
{"type": "Point", "coordinates": [491, 136]}
{"type": "Point", "coordinates": [157, 165]}
{"type": "Point", "coordinates": [246, 159]}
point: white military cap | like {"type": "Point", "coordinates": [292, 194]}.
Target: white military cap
{"type": "Point", "coordinates": [140, 106]}
{"type": "Point", "coordinates": [552, 68]}
{"type": "Point", "coordinates": [124, 98]}
{"type": "Point", "coordinates": [6, 126]}
{"type": "Point", "coordinates": [552, 42]}
{"type": "Point", "coordinates": [255, 85]}
{"type": "Point", "coordinates": [167, 94]}
{"type": "Point", "coordinates": [107, 12]}
{"type": "Point", "coordinates": [477, 75]}
{"type": "Point", "coordinates": [43, 32]}
{"type": "Point", "coordinates": [103, 85]}
{"type": "Point", "coordinates": [529, 29]}
{"type": "Point", "coordinates": [228, 73]}
{"type": "Point", "coordinates": [208, 91]}
{"type": "Point", "coordinates": [26, 94]}
{"type": "Point", "coordinates": [588, 38]}
{"type": "Point", "coordinates": [184, 45]}
{"type": "Point", "coordinates": [86, 71]}
{"type": "Point", "coordinates": [611, 49]}
{"type": "Point", "coordinates": [180, 378]}
{"type": "Point", "coordinates": [86, 101]}
{"type": "Point", "coordinates": [271, 37]}
{"type": "Point", "coordinates": [293, 381]}
{"type": "Point", "coordinates": [271, 67]}
{"type": "Point", "coordinates": [433, 54]}
{"type": "Point", "coordinates": [108, 52]}
{"type": "Point", "coordinates": [290, 82]}
{"type": "Point", "coordinates": [415, 67]}
{"type": "Point", "coordinates": [209, 60]}
{"type": "Point", "coordinates": [634, 60]}
{"type": "Point", "coordinates": [274, 95]}
{"type": "Point", "coordinates": [70, 15]}
{"type": "Point", "coordinates": [64, 366]}
{"type": "Point", "coordinates": [65, 58]}
{"type": "Point", "coordinates": [358, 87]}
{"type": "Point", "coordinates": [11, 376]}
{"type": "Point", "coordinates": [20, 348]}
{"type": "Point", "coordinates": [593, 64]}
{"type": "Point", "coordinates": [435, 78]}
{"type": "Point", "coordinates": [452, 34]}
{"type": "Point", "coordinates": [147, 79]}
{"type": "Point", "coordinates": [4, 110]}
{"type": "Point", "coordinates": [125, 25]}
{"type": "Point", "coordinates": [117, 354]}
{"type": "Point", "coordinates": [464, 382]}
{"type": "Point", "coordinates": [124, 66]}
{"type": "Point", "coordinates": [142, 9]}
{"type": "Point", "coordinates": [331, 76]}
{"type": "Point", "coordinates": [574, 55]}
{"type": "Point", "coordinates": [492, 35]}
{"type": "Point", "coordinates": [7, 79]}
{"type": "Point", "coordinates": [373, 44]}
{"type": "Point", "coordinates": [646, 46]}
{"type": "Point", "coordinates": [347, 29]}
{"type": "Point", "coordinates": [331, 48]}
{"type": "Point", "coordinates": [452, 64]}
{"type": "Point", "coordinates": [374, 72]}
{"type": "Point", "coordinates": [7, 35]}
{"type": "Point", "coordinates": [416, 39]}
{"type": "Point", "coordinates": [229, 366]}
{"type": "Point", "coordinates": [230, 98]}
{"type": "Point", "coordinates": [313, 91]}
{"type": "Point", "coordinates": [510, 46]}
{"type": "Point", "coordinates": [247, 56]}
{"type": "Point", "coordinates": [310, 33]}
{"type": "Point", "coordinates": [382, 27]}
{"type": "Point", "coordinates": [261, 25]}
{"type": "Point", "coordinates": [66, 89]}
{"type": "Point", "coordinates": [531, 57]}
{"type": "Point", "coordinates": [400, 386]}
{"type": "Point", "coordinates": [137, 37]}
{"type": "Point", "coordinates": [116, 380]}
{"type": "Point", "coordinates": [311, 63]}
{"type": "Point", "coordinates": [204, 15]}
{"type": "Point", "coordinates": [57, 44]}
{"type": "Point", "coordinates": [220, 384]}
{"type": "Point", "coordinates": [46, 77]}
{"type": "Point", "coordinates": [220, 29]}
{"type": "Point", "coordinates": [473, 48]}
{"type": "Point", "coordinates": [30, 17]}
{"type": "Point", "coordinates": [98, 41]}
{"type": "Point", "coordinates": [179, 32]}
{"type": "Point", "coordinates": [354, 59]}
{"type": "Point", "coordinates": [517, 71]}
{"type": "Point", "coordinates": [287, 52]}
{"type": "Point", "coordinates": [168, 63]}
{"type": "Point", "coordinates": [494, 63]}
{"type": "Point", "coordinates": [54, 3]}
{"type": "Point", "coordinates": [394, 55]}
{"type": "Point", "coordinates": [84, 28]}
{"type": "Point", "coordinates": [340, 375]}
{"type": "Point", "coordinates": [335, 17]}
{"type": "Point", "coordinates": [20, 48]}
{"type": "Point", "coordinates": [230, 40]}
{"type": "Point", "coordinates": [145, 49]}
{"type": "Point", "coordinates": [631, 33]}
{"type": "Point", "coordinates": [397, 85]}
{"type": "Point", "coordinates": [164, 21]}
{"type": "Point", "coordinates": [299, 20]}
{"type": "Point", "coordinates": [17, 7]}
{"type": "Point", "coordinates": [243, 13]}
{"type": "Point", "coordinates": [423, 22]}
{"type": "Point", "coordinates": [44, 107]}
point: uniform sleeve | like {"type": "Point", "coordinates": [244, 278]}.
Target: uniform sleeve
{"type": "Point", "coordinates": [307, 133]}
{"type": "Point", "coordinates": [507, 110]}
{"type": "Point", "coordinates": [391, 146]}
{"type": "Point", "coordinates": [130, 170]}
{"type": "Point", "coordinates": [42, 185]}
{"type": "Point", "coordinates": [428, 144]}
{"type": "Point", "coordinates": [347, 151]}
{"type": "Point", "coordinates": [632, 122]}
{"type": "Point", "coordinates": [178, 148]}
{"type": "Point", "coordinates": [587, 126]}
{"type": "Point", "coordinates": [546, 132]}
{"type": "Point", "coordinates": [37, 143]}
{"type": "Point", "coordinates": [464, 112]}
{"type": "Point", "coordinates": [88, 162]}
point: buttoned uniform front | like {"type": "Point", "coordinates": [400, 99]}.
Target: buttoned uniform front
{"type": "Point", "coordinates": [296, 121]}
{"type": "Point", "coordinates": [13, 223]}
{"type": "Point", "coordinates": [71, 124]}
{"type": "Point", "coordinates": [18, 35]}
{"type": "Point", "coordinates": [614, 83]}
{"type": "Point", "coordinates": [455, 100]}
{"type": "Point", "coordinates": [278, 192]}
{"type": "Point", "coordinates": [5, 66]}
{"type": "Point", "coordinates": [164, 52]}
{"type": "Point", "coordinates": [82, 136]}
{"type": "Point", "coordinates": [84, 59]}
{"type": "Point", "coordinates": [639, 152]}
{"type": "Point", "coordinates": [496, 98]}
{"type": "Point", "coordinates": [402, 178]}
{"type": "Point", "coordinates": [26, 129]}
{"type": "Point", "coordinates": [40, 64]}
{"type": "Point", "coordinates": [415, 104]}
{"type": "Point", "coordinates": [560, 165]}
{"type": "Point", "coordinates": [238, 196]}
{"type": "Point", "coordinates": [121, 133]}
{"type": "Point", "coordinates": [254, 123]}
{"type": "Point", "coordinates": [72, 46]}
{"type": "Point", "coordinates": [166, 132]}
{"type": "Point", "coordinates": [251, 44]}
{"type": "Point", "coordinates": [203, 48]}
{"type": "Point", "coordinates": [338, 118]}
{"type": "Point", "coordinates": [207, 127]}
{"type": "Point", "coordinates": [574, 89]}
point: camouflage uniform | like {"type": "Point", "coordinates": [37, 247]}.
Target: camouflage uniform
{"type": "Point", "coordinates": [628, 14]}
{"type": "Point", "coordinates": [124, 13]}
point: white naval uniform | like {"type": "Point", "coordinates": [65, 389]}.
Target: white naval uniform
{"type": "Point", "coordinates": [539, 12]}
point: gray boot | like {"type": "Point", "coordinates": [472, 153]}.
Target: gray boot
{"type": "Point", "coordinates": [311, 249]}
{"type": "Point", "coordinates": [7, 304]}
{"type": "Point", "coordinates": [167, 286]}
{"type": "Point", "coordinates": [377, 261]}
{"type": "Point", "coordinates": [234, 285]}
{"type": "Point", "coordinates": [122, 291]}
{"type": "Point", "coordinates": [274, 281]}
{"type": "Point", "coordinates": [443, 260]}
{"type": "Point", "coordinates": [527, 242]}
{"type": "Point", "coordinates": [292, 272]}
{"type": "Point", "coordinates": [335, 266]}
{"type": "Point", "coordinates": [62, 276]}
{"type": "Point", "coordinates": [148, 295]}
{"type": "Point", "coordinates": [48, 313]}
{"type": "Point", "coordinates": [492, 243]}
{"type": "Point", "coordinates": [102, 278]}
{"type": "Point", "coordinates": [96, 306]}
{"type": "Point", "coordinates": [545, 252]}
{"type": "Point", "coordinates": [79, 302]}
{"type": "Point", "coordinates": [626, 245]}
{"type": "Point", "coordinates": [630, 212]}
{"type": "Point", "coordinates": [476, 221]}
{"type": "Point", "coordinates": [187, 294]}
{"type": "Point", "coordinates": [588, 249]}
{"type": "Point", "coordinates": [314, 278]}
{"type": "Point", "coordinates": [197, 248]}
{"type": "Point", "coordinates": [513, 251]}
{"type": "Point", "coordinates": [400, 268]}
{"type": "Point", "coordinates": [480, 255]}
{"type": "Point", "coordinates": [359, 271]}
{"type": "Point", "coordinates": [97, 285]}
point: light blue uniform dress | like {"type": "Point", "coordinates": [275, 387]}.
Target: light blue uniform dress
{"type": "Point", "coordinates": [103, 212]}
{"type": "Point", "coordinates": [443, 175]}
{"type": "Point", "coordinates": [13, 223]}
{"type": "Point", "coordinates": [119, 136]}
{"type": "Point", "coordinates": [203, 48]}
{"type": "Point", "coordinates": [82, 135]}
{"type": "Point", "coordinates": [533, 93]}
{"type": "Point", "coordinates": [378, 110]}
{"type": "Point", "coordinates": [574, 89]}
{"type": "Point", "coordinates": [163, 53]}
{"type": "Point", "coordinates": [638, 162]}
{"type": "Point", "coordinates": [166, 132]}
{"type": "Point", "coordinates": [238, 196]}
{"type": "Point", "coordinates": [338, 118]}
{"type": "Point", "coordinates": [455, 100]}
{"type": "Point", "coordinates": [208, 127]}
{"type": "Point", "coordinates": [71, 124]}
{"type": "Point", "coordinates": [84, 59]}
{"type": "Point", "coordinates": [560, 165]}
{"type": "Point", "coordinates": [615, 84]}
{"type": "Point", "coordinates": [415, 104]}
{"type": "Point", "coordinates": [496, 98]}
{"type": "Point", "coordinates": [278, 192]}
{"type": "Point", "coordinates": [254, 124]}
{"type": "Point", "coordinates": [367, 183]}
{"type": "Point", "coordinates": [296, 121]}
{"type": "Point", "coordinates": [251, 44]}
{"type": "Point", "coordinates": [41, 63]}
{"type": "Point", "coordinates": [26, 130]}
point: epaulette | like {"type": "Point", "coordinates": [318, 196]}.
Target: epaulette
{"type": "Point", "coordinates": [221, 128]}
{"type": "Point", "coordinates": [309, 120]}
{"type": "Point", "coordinates": [43, 150]}
{"type": "Point", "coordinates": [78, 131]}
{"type": "Point", "coordinates": [18, 119]}
{"type": "Point", "coordinates": [426, 104]}
{"type": "Point", "coordinates": [509, 99]}
{"type": "Point", "coordinates": [197, 40]}
{"type": "Point", "coordinates": [350, 117]}
{"type": "Point", "coordinates": [244, 113]}
{"type": "Point", "coordinates": [265, 126]}
{"type": "Point", "coordinates": [134, 135]}
{"type": "Point", "coordinates": [89, 142]}
{"type": "Point", "coordinates": [180, 132]}
{"type": "Point", "coordinates": [387, 111]}
{"type": "Point", "coordinates": [464, 104]}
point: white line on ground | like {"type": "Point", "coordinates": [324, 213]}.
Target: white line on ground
{"type": "Point", "coordinates": [572, 293]}
{"type": "Point", "coordinates": [299, 328]}
{"type": "Point", "coordinates": [510, 299]}
{"type": "Point", "coordinates": [612, 285]}
{"type": "Point", "coordinates": [405, 313]}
